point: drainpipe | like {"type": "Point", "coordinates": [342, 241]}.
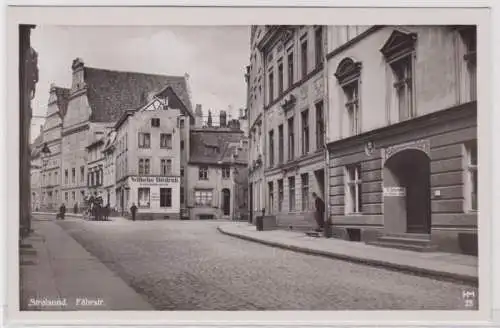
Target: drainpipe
{"type": "Point", "coordinates": [326, 108]}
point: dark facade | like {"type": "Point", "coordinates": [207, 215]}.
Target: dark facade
{"type": "Point", "coordinates": [28, 77]}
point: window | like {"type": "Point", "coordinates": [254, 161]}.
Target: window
{"type": "Point", "coordinates": [403, 80]}
{"type": "Point", "coordinates": [166, 140]}
{"type": "Point", "coordinates": [318, 37]}
{"type": "Point", "coordinates": [271, 86]}
{"type": "Point", "coordinates": [320, 125]}
{"type": "Point", "coordinates": [353, 189]}
{"type": "Point", "coordinates": [73, 175]}
{"type": "Point", "coordinates": [271, 148]}
{"type": "Point", "coordinates": [270, 188]}
{"type": "Point", "coordinates": [165, 197]}
{"type": "Point", "coordinates": [291, 193]}
{"type": "Point", "coordinates": [144, 167]}
{"type": "Point", "coordinates": [351, 104]}
{"type": "Point", "coordinates": [182, 195]}
{"type": "Point", "coordinates": [280, 195]}
{"type": "Point", "coordinates": [226, 172]}
{"type": "Point", "coordinates": [182, 171]}
{"type": "Point", "coordinates": [82, 195]}
{"type": "Point", "coordinates": [280, 77]}
{"type": "Point", "coordinates": [203, 173]}
{"type": "Point", "coordinates": [203, 197]}
{"type": "Point", "coordinates": [82, 174]}
{"type": "Point", "coordinates": [469, 38]}
{"type": "Point", "coordinates": [182, 144]}
{"type": "Point", "coordinates": [155, 122]}
{"type": "Point", "coordinates": [166, 166]}
{"type": "Point", "coordinates": [50, 179]}
{"type": "Point", "coordinates": [181, 123]}
{"type": "Point", "coordinates": [143, 199]}
{"type": "Point", "coordinates": [290, 69]}
{"type": "Point", "coordinates": [65, 177]}
{"type": "Point", "coordinates": [144, 140]}
{"type": "Point", "coordinates": [305, 191]}
{"type": "Point", "coordinates": [471, 182]}
{"type": "Point", "coordinates": [281, 145]}
{"type": "Point", "coordinates": [66, 196]}
{"type": "Point", "coordinates": [291, 140]}
{"type": "Point", "coordinates": [303, 51]}
{"type": "Point", "coordinates": [73, 195]}
{"type": "Point", "coordinates": [305, 132]}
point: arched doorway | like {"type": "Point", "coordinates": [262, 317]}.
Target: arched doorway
{"type": "Point", "coordinates": [407, 201]}
{"type": "Point", "coordinates": [226, 201]}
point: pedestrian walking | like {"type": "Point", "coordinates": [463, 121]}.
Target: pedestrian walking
{"type": "Point", "coordinates": [62, 211]}
{"type": "Point", "coordinates": [133, 210]}
{"type": "Point", "coordinates": [319, 213]}
{"type": "Point", "coordinates": [107, 209]}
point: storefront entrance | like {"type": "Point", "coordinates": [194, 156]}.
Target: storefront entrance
{"type": "Point", "coordinates": [407, 199]}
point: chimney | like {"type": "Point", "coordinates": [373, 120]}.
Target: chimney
{"type": "Point", "coordinates": [222, 119]}
{"type": "Point", "coordinates": [198, 116]}
{"type": "Point", "coordinates": [78, 78]}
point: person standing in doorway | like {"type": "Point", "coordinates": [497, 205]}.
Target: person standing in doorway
{"type": "Point", "coordinates": [133, 210]}
{"type": "Point", "coordinates": [319, 213]}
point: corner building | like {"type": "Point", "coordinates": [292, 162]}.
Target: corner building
{"type": "Point", "coordinates": [293, 122]}
{"type": "Point", "coordinates": [402, 137]}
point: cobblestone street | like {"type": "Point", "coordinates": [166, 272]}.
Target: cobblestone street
{"type": "Point", "coordinates": [189, 265]}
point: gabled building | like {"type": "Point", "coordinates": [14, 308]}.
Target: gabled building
{"type": "Point", "coordinates": [52, 139]}
{"type": "Point", "coordinates": [217, 164]}
{"type": "Point", "coordinates": [402, 137]}
{"type": "Point", "coordinates": [97, 99]}
{"type": "Point", "coordinates": [149, 149]}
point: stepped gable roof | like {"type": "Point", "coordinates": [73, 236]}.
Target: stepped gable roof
{"type": "Point", "coordinates": [62, 95]}
{"type": "Point", "coordinates": [214, 147]}
{"type": "Point", "coordinates": [111, 92]}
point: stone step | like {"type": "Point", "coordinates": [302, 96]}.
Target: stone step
{"type": "Point", "coordinates": [422, 236]}
{"type": "Point", "coordinates": [408, 247]}
{"type": "Point", "coordinates": [403, 240]}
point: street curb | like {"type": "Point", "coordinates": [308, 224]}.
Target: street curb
{"type": "Point", "coordinates": [471, 280]}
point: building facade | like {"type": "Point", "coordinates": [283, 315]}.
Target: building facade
{"type": "Point", "coordinates": [95, 169]}
{"type": "Point", "coordinates": [148, 157]}
{"type": "Point", "coordinates": [255, 78]}
{"type": "Point", "coordinates": [402, 137]}
{"type": "Point", "coordinates": [36, 172]}
{"type": "Point", "coordinates": [218, 158]}
{"type": "Point", "coordinates": [292, 129]}
{"type": "Point", "coordinates": [108, 152]}
{"type": "Point", "coordinates": [83, 114]}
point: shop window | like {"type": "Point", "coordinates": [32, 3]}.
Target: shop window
{"type": "Point", "coordinates": [144, 197]}
{"type": "Point", "coordinates": [165, 197]}
{"type": "Point", "coordinates": [203, 197]}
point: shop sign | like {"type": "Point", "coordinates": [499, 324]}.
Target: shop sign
{"type": "Point", "coordinates": [154, 180]}
{"type": "Point", "coordinates": [394, 191]}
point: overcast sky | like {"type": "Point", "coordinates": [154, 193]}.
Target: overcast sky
{"type": "Point", "coordinates": [214, 57]}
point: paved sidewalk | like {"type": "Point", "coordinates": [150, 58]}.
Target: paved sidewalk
{"type": "Point", "coordinates": [435, 264]}
{"type": "Point", "coordinates": [58, 270]}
